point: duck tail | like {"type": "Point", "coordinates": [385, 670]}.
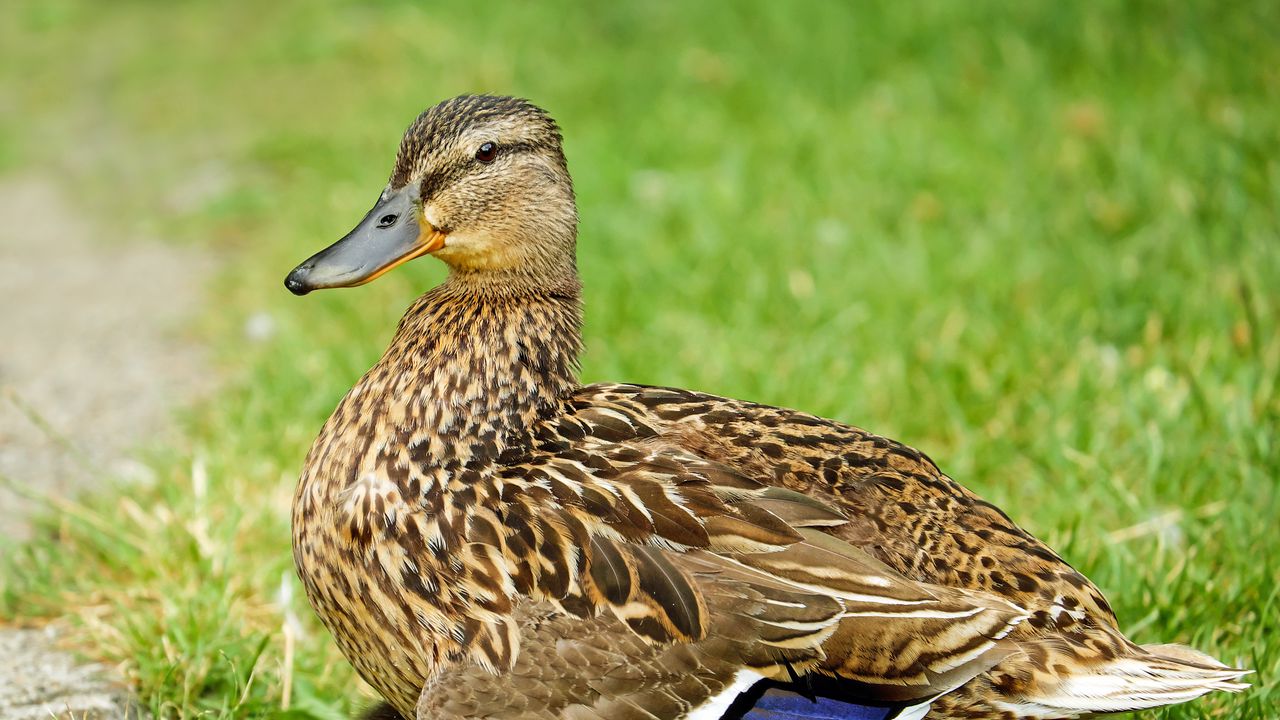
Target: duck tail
{"type": "Point", "coordinates": [1147, 676]}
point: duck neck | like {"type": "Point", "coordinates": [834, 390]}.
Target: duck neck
{"type": "Point", "coordinates": [482, 359]}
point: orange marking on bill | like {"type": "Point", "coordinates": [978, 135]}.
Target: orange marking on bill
{"type": "Point", "coordinates": [429, 241]}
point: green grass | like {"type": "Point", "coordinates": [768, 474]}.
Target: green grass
{"type": "Point", "coordinates": [1037, 240]}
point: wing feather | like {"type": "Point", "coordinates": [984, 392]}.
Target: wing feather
{"type": "Point", "coordinates": [696, 573]}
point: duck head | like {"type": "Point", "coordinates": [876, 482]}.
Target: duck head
{"type": "Point", "coordinates": [481, 183]}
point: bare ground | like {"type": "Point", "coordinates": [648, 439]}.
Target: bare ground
{"type": "Point", "coordinates": [93, 358]}
{"type": "Point", "coordinates": [92, 353]}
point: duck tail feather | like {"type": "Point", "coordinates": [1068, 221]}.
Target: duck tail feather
{"type": "Point", "coordinates": [1149, 676]}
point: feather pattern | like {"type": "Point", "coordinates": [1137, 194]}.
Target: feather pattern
{"type": "Point", "coordinates": [487, 538]}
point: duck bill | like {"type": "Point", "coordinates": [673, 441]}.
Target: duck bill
{"type": "Point", "coordinates": [391, 234]}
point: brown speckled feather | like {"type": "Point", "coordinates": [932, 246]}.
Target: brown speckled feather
{"type": "Point", "coordinates": [909, 515]}
{"type": "Point", "coordinates": [486, 538]}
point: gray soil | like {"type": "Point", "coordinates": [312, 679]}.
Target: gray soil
{"type": "Point", "coordinates": [93, 359]}
{"type": "Point", "coordinates": [38, 682]}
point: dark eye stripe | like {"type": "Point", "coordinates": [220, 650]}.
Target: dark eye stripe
{"type": "Point", "coordinates": [433, 182]}
{"type": "Point", "coordinates": [506, 149]}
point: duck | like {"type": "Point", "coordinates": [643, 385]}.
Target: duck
{"type": "Point", "coordinates": [487, 537]}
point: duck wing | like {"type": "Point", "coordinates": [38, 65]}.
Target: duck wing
{"type": "Point", "coordinates": [596, 668]}
{"type": "Point", "coordinates": [1069, 658]}
{"type": "Point", "coordinates": [685, 568]}
{"type": "Point", "coordinates": [902, 509]}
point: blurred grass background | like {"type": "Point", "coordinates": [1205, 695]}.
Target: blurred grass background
{"type": "Point", "coordinates": [1039, 241]}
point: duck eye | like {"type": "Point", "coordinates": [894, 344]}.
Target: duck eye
{"type": "Point", "coordinates": [487, 152]}
{"type": "Point", "coordinates": [387, 220]}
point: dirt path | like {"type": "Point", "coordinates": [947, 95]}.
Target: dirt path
{"type": "Point", "coordinates": [92, 360]}
{"type": "Point", "coordinates": [91, 346]}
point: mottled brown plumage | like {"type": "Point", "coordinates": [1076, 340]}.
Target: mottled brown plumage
{"type": "Point", "coordinates": [487, 538]}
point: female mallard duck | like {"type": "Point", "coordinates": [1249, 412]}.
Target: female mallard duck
{"type": "Point", "coordinates": [487, 538]}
